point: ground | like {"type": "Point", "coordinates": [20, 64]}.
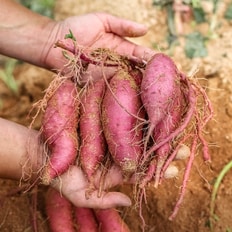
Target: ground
{"type": "Point", "coordinates": [215, 70]}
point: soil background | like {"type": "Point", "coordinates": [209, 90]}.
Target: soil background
{"type": "Point", "coordinates": [215, 69]}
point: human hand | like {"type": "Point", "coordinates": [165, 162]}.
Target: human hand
{"type": "Point", "coordinates": [93, 31]}
{"type": "Point", "coordinates": [73, 185]}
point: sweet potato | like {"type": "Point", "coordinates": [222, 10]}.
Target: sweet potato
{"type": "Point", "coordinates": [93, 145]}
{"type": "Point", "coordinates": [163, 84]}
{"type": "Point", "coordinates": [170, 100]}
{"type": "Point", "coordinates": [121, 110]}
{"type": "Point", "coordinates": [110, 221]}
{"type": "Point", "coordinates": [59, 125]}
{"type": "Point", "coordinates": [160, 84]}
{"type": "Point", "coordinates": [163, 129]}
{"type": "Point", "coordinates": [85, 219]}
{"type": "Point", "coordinates": [59, 212]}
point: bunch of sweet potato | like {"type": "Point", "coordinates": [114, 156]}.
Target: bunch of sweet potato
{"type": "Point", "coordinates": [137, 118]}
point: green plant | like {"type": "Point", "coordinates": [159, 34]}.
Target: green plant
{"type": "Point", "coordinates": [195, 45]}
{"type": "Point", "coordinates": [213, 216]}
{"type": "Point", "coordinates": [44, 7]}
{"type": "Point", "coordinates": [194, 41]}
{"type": "Point", "coordinates": [7, 76]}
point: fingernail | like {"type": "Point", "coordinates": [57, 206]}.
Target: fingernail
{"type": "Point", "coordinates": [125, 202]}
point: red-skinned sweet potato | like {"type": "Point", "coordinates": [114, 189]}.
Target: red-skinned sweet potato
{"type": "Point", "coordinates": [93, 145]}
{"type": "Point", "coordinates": [110, 221]}
{"type": "Point", "coordinates": [160, 86]}
{"type": "Point", "coordinates": [121, 110]}
{"type": "Point", "coordinates": [59, 129]}
{"type": "Point", "coordinates": [85, 219]}
{"type": "Point", "coordinates": [59, 212]}
{"type": "Point", "coordinates": [163, 129]}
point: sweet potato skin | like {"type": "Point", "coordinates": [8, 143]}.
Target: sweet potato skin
{"type": "Point", "coordinates": [93, 144]}
{"type": "Point", "coordinates": [85, 219]}
{"type": "Point", "coordinates": [123, 135]}
{"type": "Point", "coordinates": [110, 221]}
{"type": "Point", "coordinates": [158, 88]}
{"type": "Point", "coordinates": [59, 212]}
{"type": "Point", "coordinates": [59, 130]}
{"type": "Point", "coordinates": [163, 129]}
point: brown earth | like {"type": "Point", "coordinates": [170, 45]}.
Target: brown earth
{"type": "Point", "coordinates": [215, 69]}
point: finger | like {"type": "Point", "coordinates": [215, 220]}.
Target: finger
{"type": "Point", "coordinates": [105, 201]}
{"type": "Point", "coordinates": [132, 50]}
{"type": "Point", "coordinates": [112, 178]}
{"type": "Point", "coordinates": [70, 181]}
{"type": "Point", "coordinates": [141, 52]}
{"type": "Point", "coordinates": [73, 186]}
{"type": "Point", "coordinates": [122, 27]}
{"type": "Point", "coordinates": [96, 73]}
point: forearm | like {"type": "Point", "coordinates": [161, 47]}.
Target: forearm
{"type": "Point", "coordinates": [24, 34]}
{"type": "Point", "coordinates": [20, 151]}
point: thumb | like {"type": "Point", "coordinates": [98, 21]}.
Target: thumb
{"type": "Point", "coordinates": [121, 27]}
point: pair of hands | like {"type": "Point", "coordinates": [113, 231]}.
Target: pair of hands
{"type": "Point", "coordinates": [96, 30]}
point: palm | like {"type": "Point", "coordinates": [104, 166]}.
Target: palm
{"type": "Point", "coordinates": [73, 185]}
{"type": "Point", "coordinates": [89, 30]}
{"type": "Point", "coordinates": [99, 30]}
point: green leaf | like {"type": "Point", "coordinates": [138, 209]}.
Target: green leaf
{"type": "Point", "coordinates": [161, 3]}
{"type": "Point", "coordinates": [199, 14]}
{"type": "Point", "coordinates": [7, 76]}
{"type": "Point", "coordinates": [195, 3]}
{"type": "Point", "coordinates": [228, 12]}
{"type": "Point", "coordinates": [195, 45]}
{"type": "Point", "coordinates": [70, 36]}
{"type": "Point", "coordinates": [43, 7]}
{"type": "Point", "coordinates": [170, 19]}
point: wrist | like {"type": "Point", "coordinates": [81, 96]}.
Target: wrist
{"type": "Point", "coordinates": [32, 162]}
{"type": "Point", "coordinates": [21, 154]}
{"type": "Point", "coordinates": [24, 34]}
{"type": "Point", "coordinates": [50, 57]}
